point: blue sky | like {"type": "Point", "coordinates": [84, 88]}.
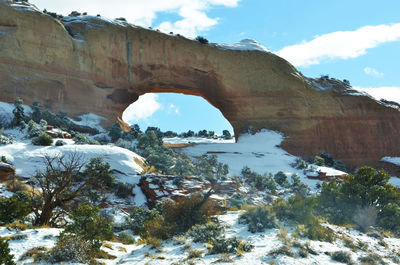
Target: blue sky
{"type": "Point", "coordinates": [355, 40]}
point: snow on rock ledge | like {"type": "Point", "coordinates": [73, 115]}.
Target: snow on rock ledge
{"type": "Point", "coordinates": [244, 45]}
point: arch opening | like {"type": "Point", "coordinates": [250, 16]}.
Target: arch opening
{"type": "Point", "coordinates": [176, 112]}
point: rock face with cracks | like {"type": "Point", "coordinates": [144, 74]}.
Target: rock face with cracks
{"type": "Point", "coordinates": [85, 64]}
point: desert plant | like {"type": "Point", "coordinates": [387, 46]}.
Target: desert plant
{"type": "Point", "coordinates": [90, 225]}
{"type": "Point", "coordinates": [281, 179]}
{"type": "Point", "coordinates": [229, 245]}
{"type": "Point", "coordinates": [201, 39]}
{"type": "Point", "coordinates": [319, 161]}
{"type": "Point", "coordinates": [206, 232]}
{"type": "Point", "coordinates": [43, 139]}
{"type": "Point", "coordinates": [19, 116]}
{"type": "Point", "coordinates": [138, 217]}
{"type": "Point", "coordinates": [16, 207]}
{"type": "Point", "coordinates": [259, 218]}
{"type": "Point", "coordinates": [99, 170]}
{"type": "Point", "coordinates": [5, 257]}
{"type": "Point", "coordinates": [342, 256]}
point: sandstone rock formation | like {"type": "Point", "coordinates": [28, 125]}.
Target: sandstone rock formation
{"type": "Point", "coordinates": [90, 64]}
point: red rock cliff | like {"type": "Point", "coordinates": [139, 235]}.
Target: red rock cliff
{"type": "Point", "coordinates": [90, 64]}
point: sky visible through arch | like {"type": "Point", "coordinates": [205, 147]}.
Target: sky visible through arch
{"type": "Point", "coordinates": [357, 40]}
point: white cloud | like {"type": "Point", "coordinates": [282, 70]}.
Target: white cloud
{"type": "Point", "coordinates": [193, 12]}
{"type": "Point", "coordinates": [390, 93]}
{"type": "Point", "coordinates": [172, 109]}
{"type": "Point", "coordinates": [373, 72]}
{"type": "Point", "coordinates": [142, 109]}
{"type": "Point", "coordinates": [340, 44]}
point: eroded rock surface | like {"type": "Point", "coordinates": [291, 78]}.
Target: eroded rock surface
{"type": "Point", "coordinates": [90, 64]}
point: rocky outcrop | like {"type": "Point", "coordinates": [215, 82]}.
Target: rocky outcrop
{"type": "Point", "coordinates": [90, 64]}
{"type": "Point", "coordinates": [161, 187]}
{"type": "Point", "coordinates": [6, 171]}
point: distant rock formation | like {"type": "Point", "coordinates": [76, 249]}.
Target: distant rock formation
{"type": "Point", "coordinates": [87, 64]}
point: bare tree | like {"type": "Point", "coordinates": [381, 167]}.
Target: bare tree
{"type": "Point", "coordinates": [59, 185]}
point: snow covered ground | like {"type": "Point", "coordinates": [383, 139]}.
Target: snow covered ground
{"type": "Point", "coordinates": [28, 158]}
{"type": "Point", "coordinates": [197, 140]}
{"type": "Point", "coordinates": [176, 252]}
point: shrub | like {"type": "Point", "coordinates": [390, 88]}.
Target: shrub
{"type": "Point", "coordinates": [5, 257]}
{"type": "Point", "coordinates": [44, 139]}
{"type": "Point", "coordinates": [33, 129]}
{"type": "Point", "coordinates": [71, 248]}
{"type": "Point", "coordinates": [300, 164]}
{"type": "Point", "coordinates": [126, 238]}
{"type": "Point", "coordinates": [37, 253]}
{"type": "Point", "coordinates": [14, 208]}
{"type": "Point", "coordinates": [196, 253]}
{"type": "Point", "coordinates": [83, 139]}
{"type": "Point", "coordinates": [259, 218]}
{"type": "Point", "coordinates": [88, 224]}
{"type": "Point", "coordinates": [178, 181]}
{"type": "Point", "coordinates": [187, 212]}
{"type": "Point", "coordinates": [115, 132]}
{"type": "Point", "coordinates": [281, 179]}
{"type": "Point", "coordinates": [298, 187]}
{"type": "Point", "coordinates": [139, 217]}
{"type": "Point", "coordinates": [5, 139]}
{"type": "Point", "coordinates": [60, 143]}
{"type": "Point", "coordinates": [206, 232]}
{"type": "Point", "coordinates": [283, 250]}
{"type": "Point", "coordinates": [19, 116]}
{"type": "Point", "coordinates": [371, 259]}
{"type": "Point", "coordinates": [342, 256]}
{"type": "Point", "coordinates": [97, 169]}
{"type": "Point", "coordinates": [319, 161]}
{"type": "Point", "coordinates": [124, 190]}
{"type": "Point", "coordinates": [201, 39]}
{"type": "Point", "coordinates": [161, 158]}
{"type": "Point", "coordinates": [229, 245]}
{"type": "Point", "coordinates": [315, 231]}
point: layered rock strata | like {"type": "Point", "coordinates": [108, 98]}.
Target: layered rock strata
{"type": "Point", "coordinates": [87, 64]}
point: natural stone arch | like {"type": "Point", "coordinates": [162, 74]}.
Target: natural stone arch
{"type": "Point", "coordinates": [175, 112]}
{"type": "Point", "coordinates": [89, 64]}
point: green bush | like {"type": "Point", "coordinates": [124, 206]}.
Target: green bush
{"type": "Point", "coordinates": [281, 179]}
{"type": "Point", "coordinates": [123, 190]}
{"type": "Point", "coordinates": [229, 245]}
{"type": "Point", "coordinates": [139, 217]}
{"type": "Point", "coordinates": [126, 238]}
{"type": "Point", "coordinates": [97, 169]}
{"type": "Point", "coordinates": [298, 187]}
{"type": "Point", "coordinates": [5, 139]}
{"type": "Point", "coordinates": [83, 139]}
{"type": "Point", "coordinates": [342, 256]}
{"type": "Point", "coordinates": [43, 139]}
{"type": "Point", "coordinates": [90, 225]}
{"type": "Point", "coordinates": [339, 201]}
{"type": "Point", "coordinates": [14, 208]}
{"type": "Point", "coordinates": [319, 161]}
{"type": "Point", "coordinates": [259, 218]}
{"type": "Point", "coordinates": [33, 129]}
{"type": "Point", "coordinates": [201, 39]}
{"type": "Point", "coordinates": [187, 212]}
{"type": "Point", "coordinates": [19, 115]}
{"type": "Point", "coordinates": [161, 158]}
{"type": "Point", "coordinates": [206, 232]}
{"type": "Point", "coordinates": [71, 248]}
{"type": "Point", "coordinates": [5, 257]}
